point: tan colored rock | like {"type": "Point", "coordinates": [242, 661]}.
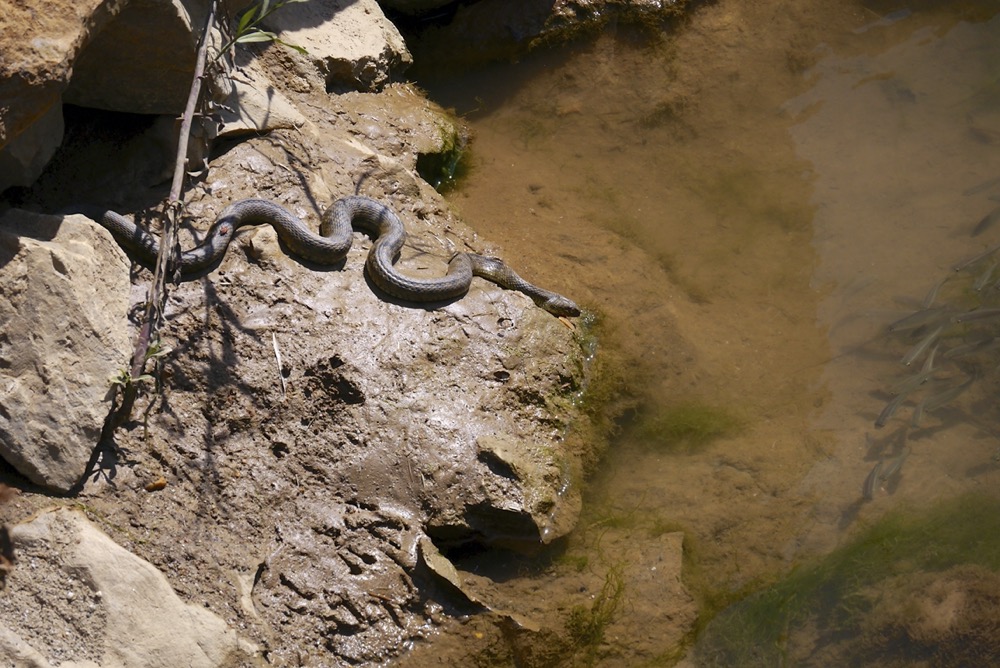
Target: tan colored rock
{"type": "Point", "coordinates": [64, 290]}
{"type": "Point", "coordinates": [25, 156]}
{"type": "Point", "coordinates": [37, 50]}
{"type": "Point", "coordinates": [414, 7]}
{"type": "Point", "coordinates": [109, 54]}
{"type": "Point", "coordinates": [350, 42]}
{"type": "Point", "coordinates": [255, 105]}
{"type": "Point", "coordinates": [83, 601]}
{"type": "Point", "coordinates": [141, 61]}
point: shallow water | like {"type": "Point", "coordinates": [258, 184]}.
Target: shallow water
{"type": "Point", "coordinates": [748, 202]}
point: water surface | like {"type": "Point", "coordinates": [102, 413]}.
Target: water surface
{"type": "Point", "coordinates": [748, 202]}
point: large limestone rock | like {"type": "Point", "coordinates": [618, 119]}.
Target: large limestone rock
{"type": "Point", "coordinates": [414, 7]}
{"type": "Point", "coordinates": [110, 49]}
{"type": "Point", "coordinates": [37, 49]}
{"type": "Point", "coordinates": [160, 38]}
{"type": "Point", "coordinates": [84, 601]}
{"type": "Point", "coordinates": [350, 42]}
{"type": "Point", "coordinates": [64, 290]}
{"type": "Point", "coordinates": [137, 56]}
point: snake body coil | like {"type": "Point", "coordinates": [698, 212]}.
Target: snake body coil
{"type": "Point", "coordinates": [332, 244]}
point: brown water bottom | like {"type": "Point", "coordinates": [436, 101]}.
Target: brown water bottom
{"type": "Point", "coordinates": [739, 201]}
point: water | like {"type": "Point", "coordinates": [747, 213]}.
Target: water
{"type": "Point", "coordinates": [748, 202]}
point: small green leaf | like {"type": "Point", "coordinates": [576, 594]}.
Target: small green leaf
{"type": "Point", "coordinates": [122, 377]}
{"type": "Point", "coordinates": [152, 353]}
{"type": "Point", "coordinates": [257, 36]}
{"type": "Point", "coordinates": [298, 48]}
{"type": "Point", "coordinates": [245, 19]}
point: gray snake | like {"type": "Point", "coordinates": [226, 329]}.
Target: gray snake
{"type": "Point", "coordinates": [331, 246]}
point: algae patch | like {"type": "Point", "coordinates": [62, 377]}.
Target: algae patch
{"type": "Point", "coordinates": [686, 426]}
{"type": "Point", "coordinates": [881, 598]}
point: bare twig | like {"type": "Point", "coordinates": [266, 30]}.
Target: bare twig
{"type": "Point", "coordinates": [248, 31]}
{"type": "Point", "coordinates": [166, 261]}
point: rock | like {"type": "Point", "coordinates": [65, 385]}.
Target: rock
{"type": "Point", "coordinates": [25, 156]}
{"type": "Point", "coordinates": [350, 42]}
{"type": "Point", "coordinates": [254, 105]}
{"type": "Point", "coordinates": [37, 49]}
{"type": "Point", "coordinates": [313, 430]}
{"type": "Point", "coordinates": [83, 600]}
{"type": "Point", "coordinates": [498, 30]}
{"type": "Point", "coordinates": [659, 610]}
{"type": "Point", "coordinates": [414, 7]}
{"type": "Point", "coordinates": [160, 38]}
{"type": "Point", "coordinates": [335, 574]}
{"type": "Point", "coordinates": [43, 47]}
{"type": "Point", "coordinates": [543, 498]}
{"type": "Point", "coordinates": [64, 290]}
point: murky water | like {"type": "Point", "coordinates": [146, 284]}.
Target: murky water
{"type": "Point", "coordinates": [748, 203]}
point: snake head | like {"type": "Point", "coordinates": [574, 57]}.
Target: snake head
{"type": "Point", "coordinates": [560, 306]}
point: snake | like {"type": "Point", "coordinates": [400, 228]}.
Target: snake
{"type": "Point", "coordinates": [331, 246]}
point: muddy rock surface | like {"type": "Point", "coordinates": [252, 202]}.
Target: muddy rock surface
{"type": "Point", "coordinates": [310, 430]}
{"type": "Point", "coordinates": [311, 451]}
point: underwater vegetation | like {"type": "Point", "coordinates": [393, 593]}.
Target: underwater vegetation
{"type": "Point", "coordinates": [586, 624]}
{"type": "Point", "coordinates": [447, 166]}
{"type": "Point", "coordinates": [686, 426]}
{"type": "Point", "coordinates": [913, 587]}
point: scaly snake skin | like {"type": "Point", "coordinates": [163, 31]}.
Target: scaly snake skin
{"type": "Point", "coordinates": [332, 244]}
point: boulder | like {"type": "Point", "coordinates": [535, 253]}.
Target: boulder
{"type": "Point", "coordinates": [74, 52]}
{"type": "Point", "coordinates": [64, 290]}
{"type": "Point", "coordinates": [37, 50]}
{"type": "Point", "coordinates": [350, 42]}
{"type": "Point", "coordinates": [160, 38]}
{"type": "Point", "coordinates": [414, 7]}
{"type": "Point", "coordinates": [83, 600]}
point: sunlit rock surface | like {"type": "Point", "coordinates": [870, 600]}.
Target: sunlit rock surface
{"type": "Point", "coordinates": [63, 334]}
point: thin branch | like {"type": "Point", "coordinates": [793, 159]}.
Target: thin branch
{"type": "Point", "coordinates": [166, 260]}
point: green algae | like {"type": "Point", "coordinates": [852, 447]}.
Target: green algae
{"type": "Point", "coordinates": [687, 426]}
{"type": "Point", "coordinates": [833, 595]}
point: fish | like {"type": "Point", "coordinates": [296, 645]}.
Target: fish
{"type": "Point", "coordinates": [929, 362]}
{"type": "Point", "coordinates": [965, 264]}
{"type": "Point", "coordinates": [886, 20]}
{"type": "Point", "coordinates": [978, 314]}
{"type": "Point", "coordinates": [932, 295]}
{"type": "Point", "coordinates": [911, 383]}
{"type": "Point", "coordinates": [938, 400]}
{"type": "Point", "coordinates": [917, 350]}
{"type": "Point", "coordinates": [889, 410]}
{"type": "Point", "coordinates": [984, 278]}
{"type": "Point", "coordinates": [894, 465]}
{"type": "Point", "coordinates": [985, 185]}
{"type": "Point", "coordinates": [929, 316]}
{"type": "Point", "coordinates": [972, 347]}
{"type": "Point", "coordinates": [987, 222]}
{"type": "Point", "coordinates": [868, 489]}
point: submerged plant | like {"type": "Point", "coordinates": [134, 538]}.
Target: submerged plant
{"type": "Point", "coordinates": [835, 596]}
{"type": "Point", "coordinates": [587, 625]}
{"type": "Point", "coordinates": [687, 425]}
